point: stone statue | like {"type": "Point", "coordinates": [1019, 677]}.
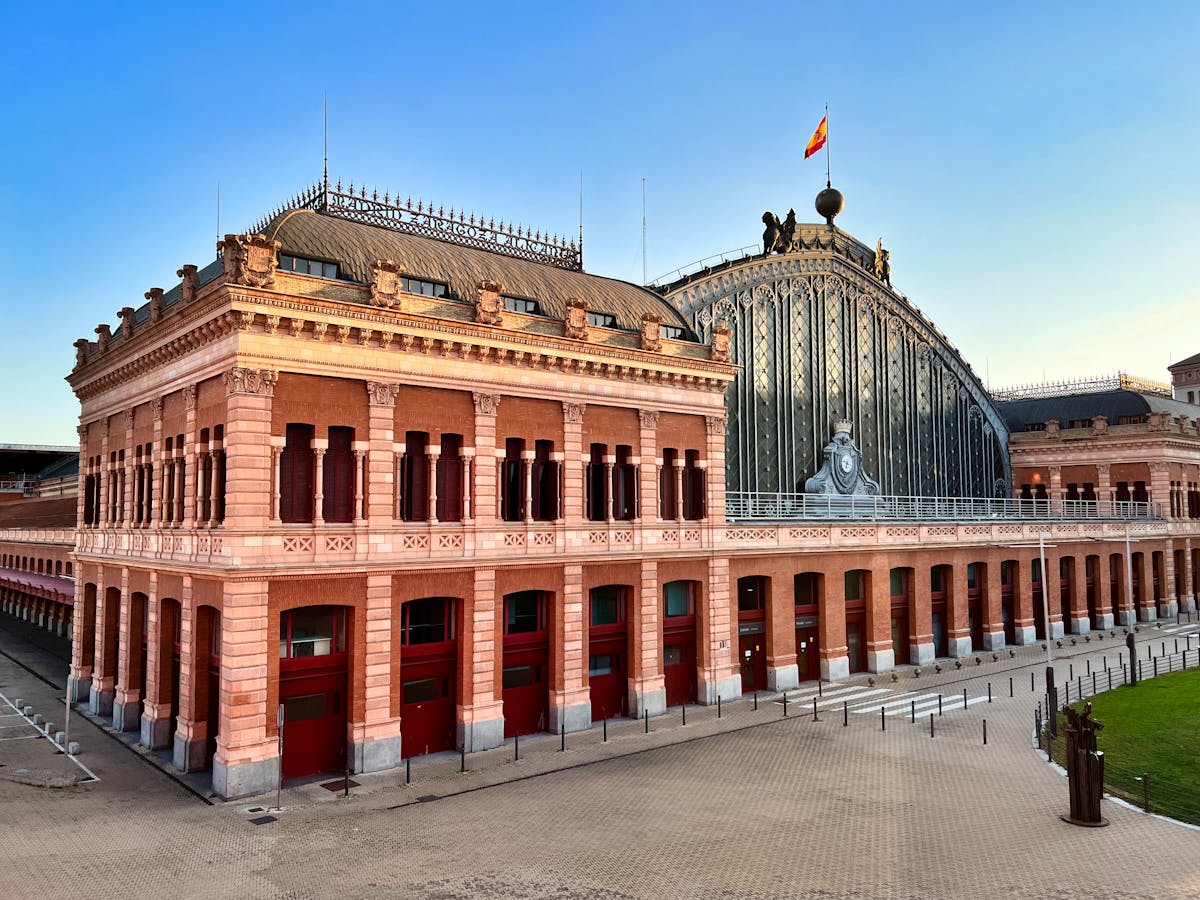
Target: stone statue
{"type": "Point", "coordinates": [772, 234]}
{"type": "Point", "coordinates": [883, 268]}
{"type": "Point", "coordinates": [842, 472]}
{"type": "Point", "coordinates": [787, 242]}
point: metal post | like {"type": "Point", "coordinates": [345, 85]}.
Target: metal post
{"type": "Point", "coordinates": [985, 732]}
{"type": "Point", "coordinates": [562, 737]}
{"type": "Point", "coordinates": [989, 692]}
{"type": "Point", "coordinates": [516, 747]}
{"type": "Point", "coordinates": [1155, 661]}
{"type": "Point", "coordinates": [1089, 666]}
{"type": "Point", "coordinates": [279, 784]}
{"type": "Point", "coordinates": [931, 724]}
{"type": "Point", "coordinates": [939, 704]}
{"type": "Point", "coordinates": [346, 788]}
{"type": "Point", "coordinates": [718, 706]}
{"type": "Point", "coordinates": [1010, 687]}
{"type": "Point", "coordinates": [683, 710]}
{"type": "Point", "coordinates": [1070, 671]}
{"type": "Point", "coordinates": [408, 770]}
{"type": "Point", "coordinates": [756, 701]}
{"type": "Point", "coordinates": [882, 720]}
{"type": "Point", "coordinates": [462, 760]}
{"type": "Point", "coordinates": [912, 711]}
{"type": "Point", "coordinates": [646, 719]}
{"type": "Point", "coordinates": [819, 694]}
{"type": "Point", "coordinates": [604, 722]}
{"type": "Point", "coordinates": [785, 704]}
{"type": "Point", "coordinates": [1031, 685]}
{"type": "Point", "coordinates": [1093, 684]}
{"type": "Point", "coordinates": [815, 719]}
{"type": "Point", "coordinates": [845, 713]}
{"type": "Point", "coordinates": [964, 698]}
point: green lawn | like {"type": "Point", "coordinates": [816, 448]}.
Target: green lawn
{"type": "Point", "coordinates": [1151, 729]}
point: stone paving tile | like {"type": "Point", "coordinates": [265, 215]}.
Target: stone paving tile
{"type": "Point", "coordinates": [786, 808]}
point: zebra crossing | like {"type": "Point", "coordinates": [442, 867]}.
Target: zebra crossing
{"type": "Point", "coordinates": [865, 700]}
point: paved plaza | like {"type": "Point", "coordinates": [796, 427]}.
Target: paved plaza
{"type": "Point", "coordinates": [753, 805]}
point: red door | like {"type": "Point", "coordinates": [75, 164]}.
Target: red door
{"type": "Point", "coordinates": [808, 653]}
{"type": "Point", "coordinates": [608, 680]}
{"type": "Point", "coordinates": [856, 644]}
{"type": "Point", "coordinates": [314, 718]}
{"type": "Point", "coordinates": [900, 650]}
{"type": "Point", "coordinates": [679, 661]}
{"type": "Point", "coordinates": [427, 706]}
{"type": "Point", "coordinates": [524, 679]}
{"type": "Point", "coordinates": [753, 654]}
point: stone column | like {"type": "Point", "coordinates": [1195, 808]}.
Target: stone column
{"type": "Point", "coordinates": [187, 487]}
{"type": "Point", "coordinates": [248, 451]}
{"type": "Point", "coordinates": [1160, 486]}
{"type": "Point", "coordinates": [991, 606]}
{"type": "Point", "coordinates": [610, 494]}
{"type": "Point", "coordinates": [527, 471]}
{"type": "Point", "coordinates": [202, 485]}
{"type": "Point", "coordinates": [573, 468]}
{"type": "Point", "coordinates": [486, 486]}
{"type": "Point", "coordinates": [1056, 485]}
{"type": "Point", "coordinates": [381, 457]}
{"type": "Point", "coordinates": [1053, 596]}
{"type": "Point", "coordinates": [375, 741]}
{"type": "Point", "coordinates": [647, 685]}
{"type": "Point", "coordinates": [881, 655]}
{"type": "Point", "coordinates": [79, 681]}
{"type": "Point", "coordinates": [156, 709]}
{"type": "Point", "coordinates": [1104, 614]}
{"type": "Point", "coordinates": [647, 474]}
{"type": "Point", "coordinates": [718, 674]}
{"type": "Point", "coordinates": [921, 650]}
{"type": "Point", "coordinates": [104, 674]}
{"type": "Point", "coordinates": [127, 698]}
{"type": "Point", "coordinates": [958, 624]}
{"type": "Point", "coordinates": [831, 611]}
{"type": "Point", "coordinates": [319, 445]}
{"type": "Point", "coordinates": [1022, 584]}
{"type": "Point", "coordinates": [783, 672]}
{"type": "Point", "coordinates": [468, 478]}
{"type": "Point", "coordinates": [1168, 604]}
{"type": "Point", "coordinates": [481, 712]}
{"type": "Point", "coordinates": [1187, 603]}
{"type": "Point", "coordinates": [216, 453]}
{"type": "Point", "coordinates": [1081, 622]}
{"type": "Point", "coordinates": [677, 474]}
{"type": "Point", "coordinates": [247, 760]}
{"type": "Point", "coordinates": [277, 443]}
{"type": "Point", "coordinates": [191, 726]}
{"type": "Point", "coordinates": [360, 456]}
{"type": "Point", "coordinates": [1103, 483]}
{"type": "Point", "coordinates": [570, 699]}
{"type": "Point", "coordinates": [714, 505]}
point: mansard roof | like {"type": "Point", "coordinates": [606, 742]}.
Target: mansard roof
{"type": "Point", "coordinates": [1112, 405]}
{"type": "Point", "coordinates": [355, 247]}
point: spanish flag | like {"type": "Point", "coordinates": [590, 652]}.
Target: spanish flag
{"type": "Point", "coordinates": [817, 141]}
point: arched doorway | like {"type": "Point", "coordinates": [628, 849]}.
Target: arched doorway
{"type": "Point", "coordinates": [808, 587]}
{"type": "Point", "coordinates": [608, 651]}
{"type": "Point", "coordinates": [428, 657]}
{"type": "Point", "coordinates": [313, 689]}
{"type": "Point", "coordinates": [526, 663]}
{"type": "Point", "coordinates": [679, 641]}
{"type": "Point", "coordinates": [752, 632]}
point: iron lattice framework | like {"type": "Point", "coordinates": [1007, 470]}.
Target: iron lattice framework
{"type": "Point", "coordinates": [1119, 382]}
{"type": "Point", "coordinates": [819, 339]}
{"type": "Point", "coordinates": [457, 227]}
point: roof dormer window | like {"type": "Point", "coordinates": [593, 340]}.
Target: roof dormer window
{"type": "Point", "coordinates": [522, 305]}
{"type": "Point", "coordinates": [314, 267]}
{"type": "Point", "coordinates": [601, 320]}
{"type": "Point", "coordinates": [423, 287]}
{"type": "Point", "coordinates": [672, 332]}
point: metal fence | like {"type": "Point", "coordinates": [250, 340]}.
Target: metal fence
{"type": "Point", "coordinates": [767, 507]}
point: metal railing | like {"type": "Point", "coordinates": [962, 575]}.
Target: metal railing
{"type": "Point", "coordinates": [751, 506]}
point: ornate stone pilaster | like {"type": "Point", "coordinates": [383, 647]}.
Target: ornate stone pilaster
{"type": "Point", "coordinates": [240, 380]}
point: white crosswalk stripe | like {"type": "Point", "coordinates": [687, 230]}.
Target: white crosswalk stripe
{"type": "Point", "coordinates": [868, 701]}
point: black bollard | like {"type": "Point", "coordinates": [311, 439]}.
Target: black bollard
{"type": "Point", "coordinates": [346, 790]}
{"type": "Point", "coordinates": [562, 737]}
{"type": "Point", "coordinates": [989, 692]}
{"type": "Point", "coordinates": [985, 732]}
{"type": "Point", "coordinates": [756, 701]}
{"type": "Point", "coordinates": [1089, 667]}
{"type": "Point", "coordinates": [718, 706]}
{"type": "Point", "coordinates": [845, 714]}
{"type": "Point", "coordinates": [1104, 662]}
{"type": "Point", "coordinates": [1070, 671]}
{"type": "Point", "coordinates": [516, 747]}
{"type": "Point", "coordinates": [1093, 683]}
{"type": "Point", "coordinates": [815, 719]}
{"type": "Point", "coordinates": [604, 726]}
{"type": "Point", "coordinates": [1010, 687]}
{"type": "Point", "coordinates": [683, 712]}
{"type": "Point", "coordinates": [1079, 686]}
{"type": "Point", "coordinates": [1031, 685]}
{"type": "Point", "coordinates": [1155, 661]}
{"type": "Point", "coordinates": [939, 704]}
{"type": "Point", "coordinates": [646, 717]}
{"type": "Point", "coordinates": [462, 760]}
{"type": "Point", "coordinates": [408, 770]}
{"type": "Point", "coordinates": [882, 720]}
{"type": "Point", "coordinates": [964, 698]}
{"type": "Point", "coordinates": [785, 704]}
{"type": "Point", "coordinates": [819, 694]}
{"type": "Point", "coordinates": [912, 711]}
{"type": "Point", "coordinates": [931, 724]}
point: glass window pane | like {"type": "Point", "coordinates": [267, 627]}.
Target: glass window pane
{"type": "Point", "coordinates": [312, 631]}
{"type": "Point", "coordinates": [521, 612]}
{"type": "Point", "coordinates": [308, 706]}
{"type": "Point", "coordinates": [600, 665]}
{"type": "Point", "coordinates": [897, 582]}
{"type": "Point", "coordinates": [422, 689]}
{"type": "Point", "coordinates": [606, 606]}
{"type": "Point", "coordinates": [426, 621]}
{"type": "Point", "coordinates": [678, 599]}
{"type": "Point", "coordinates": [518, 676]}
{"type": "Point", "coordinates": [672, 656]}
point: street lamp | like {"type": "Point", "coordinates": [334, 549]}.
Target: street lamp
{"type": "Point", "coordinates": [1051, 691]}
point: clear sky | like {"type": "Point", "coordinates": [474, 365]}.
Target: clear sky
{"type": "Point", "coordinates": [1033, 168]}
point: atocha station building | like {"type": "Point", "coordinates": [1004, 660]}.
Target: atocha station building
{"type": "Point", "coordinates": [422, 483]}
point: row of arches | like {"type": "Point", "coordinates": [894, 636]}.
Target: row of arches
{"type": "Point", "coordinates": [39, 565]}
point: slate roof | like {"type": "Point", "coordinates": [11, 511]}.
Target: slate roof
{"type": "Point", "coordinates": [1112, 404]}
{"type": "Point", "coordinates": [355, 247]}
{"type": "Point", "coordinates": [1190, 361]}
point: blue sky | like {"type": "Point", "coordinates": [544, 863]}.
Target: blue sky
{"type": "Point", "coordinates": [1031, 167]}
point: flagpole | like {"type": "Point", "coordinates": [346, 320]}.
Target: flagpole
{"type": "Point", "coordinates": [828, 183]}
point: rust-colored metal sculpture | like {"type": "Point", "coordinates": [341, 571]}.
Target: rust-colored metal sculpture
{"type": "Point", "coordinates": [1085, 768]}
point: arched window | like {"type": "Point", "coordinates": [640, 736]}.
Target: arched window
{"type": "Point", "coordinates": [296, 474]}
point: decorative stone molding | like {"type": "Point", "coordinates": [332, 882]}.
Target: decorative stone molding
{"type": "Point", "coordinates": [576, 323]}
{"type": "Point", "coordinates": [343, 333]}
{"type": "Point", "coordinates": [156, 408]}
{"type": "Point", "coordinates": [364, 336]}
{"type": "Point", "coordinates": [82, 431]}
{"type": "Point", "coordinates": [127, 419]}
{"type": "Point", "coordinates": [1054, 471]}
{"type": "Point", "coordinates": [718, 350]}
{"type": "Point", "coordinates": [104, 336]}
{"type": "Point", "coordinates": [714, 425]}
{"type": "Point", "coordinates": [648, 417]}
{"type": "Point", "coordinates": [1052, 429]}
{"type": "Point", "coordinates": [319, 329]}
{"type": "Point", "coordinates": [573, 412]}
{"type": "Point", "coordinates": [190, 284]}
{"type": "Point", "coordinates": [249, 259]}
{"type": "Point", "coordinates": [1100, 424]}
{"type": "Point", "coordinates": [104, 428]}
{"type": "Point", "coordinates": [1158, 421]}
{"type": "Point", "coordinates": [296, 327]}
{"type": "Point", "coordinates": [652, 332]}
{"type": "Point", "coordinates": [245, 319]}
{"type": "Point", "coordinates": [81, 351]}
{"type": "Point", "coordinates": [155, 296]}
{"type": "Point", "coordinates": [189, 397]}
{"type": "Point", "coordinates": [382, 393]}
{"type": "Point", "coordinates": [127, 314]}
{"type": "Point", "coordinates": [489, 306]}
{"type": "Point", "coordinates": [486, 404]}
{"type": "Point", "coordinates": [271, 325]}
{"type": "Point", "coordinates": [241, 380]}
{"type": "Point", "coordinates": [385, 283]}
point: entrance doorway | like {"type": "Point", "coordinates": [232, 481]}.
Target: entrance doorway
{"type": "Point", "coordinates": [525, 676]}
{"type": "Point", "coordinates": [679, 641]}
{"type": "Point", "coordinates": [752, 636]}
{"type": "Point", "coordinates": [608, 651]}
{"type": "Point", "coordinates": [428, 657]}
{"type": "Point", "coordinates": [313, 689]}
